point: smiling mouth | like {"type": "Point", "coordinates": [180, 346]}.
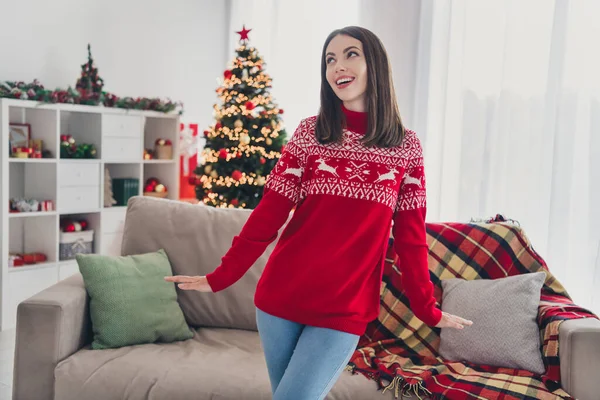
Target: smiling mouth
{"type": "Point", "coordinates": [344, 82]}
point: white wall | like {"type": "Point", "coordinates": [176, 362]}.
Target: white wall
{"type": "Point", "coordinates": [145, 48]}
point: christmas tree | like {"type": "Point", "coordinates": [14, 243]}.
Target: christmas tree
{"type": "Point", "coordinates": [246, 141]}
{"type": "Point", "coordinates": [89, 85]}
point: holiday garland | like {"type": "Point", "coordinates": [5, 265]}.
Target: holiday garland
{"type": "Point", "coordinates": [88, 90]}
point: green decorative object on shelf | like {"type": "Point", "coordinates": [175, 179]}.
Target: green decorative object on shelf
{"type": "Point", "coordinates": [68, 148]}
{"type": "Point", "coordinates": [124, 188]}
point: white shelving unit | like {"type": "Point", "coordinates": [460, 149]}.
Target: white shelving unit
{"type": "Point", "coordinates": [75, 186]}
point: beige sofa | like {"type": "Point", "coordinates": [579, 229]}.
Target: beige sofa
{"type": "Point", "coordinates": [224, 360]}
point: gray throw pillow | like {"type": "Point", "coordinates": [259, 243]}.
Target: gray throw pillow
{"type": "Point", "coordinates": [505, 332]}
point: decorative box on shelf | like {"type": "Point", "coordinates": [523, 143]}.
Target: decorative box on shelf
{"type": "Point", "coordinates": [73, 243]}
{"type": "Point", "coordinates": [163, 149]}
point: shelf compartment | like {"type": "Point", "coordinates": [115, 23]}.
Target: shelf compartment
{"type": "Point", "coordinates": [93, 220]}
{"type": "Point", "coordinates": [118, 171]}
{"type": "Point", "coordinates": [166, 174]}
{"type": "Point", "coordinates": [160, 128]}
{"type": "Point", "coordinates": [43, 124]}
{"type": "Point", "coordinates": [32, 181]}
{"type": "Point", "coordinates": [84, 127]}
{"type": "Point", "coordinates": [34, 234]}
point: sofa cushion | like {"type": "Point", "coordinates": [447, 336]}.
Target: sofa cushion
{"type": "Point", "coordinates": [130, 303]}
{"type": "Point", "coordinates": [196, 237]}
{"type": "Point", "coordinates": [504, 312]}
{"type": "Point", "coordinates": [217, 364]}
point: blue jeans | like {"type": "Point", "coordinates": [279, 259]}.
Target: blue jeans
{"type": "Point", "coordinates": [303, 361]}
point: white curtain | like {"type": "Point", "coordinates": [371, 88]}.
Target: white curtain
{"type": "Point", "coordinates": [507, 102]}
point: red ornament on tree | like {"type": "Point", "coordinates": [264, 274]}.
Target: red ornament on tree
{"type": "Point", "coordinates": [218, 126]}
{"type": "Point", "coordinates": [239, 154]}
{"type": "Point", "coordinates": [249, 105]}
{"type": "Point", "coordinates": [235, 202]}
{"type": "Point", "coordinates": [206, 133]}
{"type": "Point", "coordinates": [227, 74]}
{"type": "Point", "coordinates": [237, 175]}
{"type": "Point", "coordinates": [263, 160]}
{"type": "Point", "coordinates": [281, 111]}
{"type": "Point", "coordinates": [223, 154]}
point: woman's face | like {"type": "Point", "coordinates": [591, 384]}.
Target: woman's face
{"type": "Point", "coordinates": [347, 71]}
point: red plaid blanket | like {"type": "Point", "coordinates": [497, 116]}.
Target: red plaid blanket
{"type": "Point", "coordinates": [401, 353]}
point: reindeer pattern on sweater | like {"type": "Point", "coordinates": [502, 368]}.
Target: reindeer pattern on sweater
{"type": "Point", "coordinates": [393, 177]}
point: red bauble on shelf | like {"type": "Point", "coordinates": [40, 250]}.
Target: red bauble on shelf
{"type": "Point", "coordinates": [153, 187]}
{"type": "Point", "coordinates": [73, 225]}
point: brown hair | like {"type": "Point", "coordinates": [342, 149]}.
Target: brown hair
{"type": "Point", "coordinates": [385, 127]}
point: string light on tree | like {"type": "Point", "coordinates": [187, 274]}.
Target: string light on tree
{"type": "Point", "coordinates": [248, 136]}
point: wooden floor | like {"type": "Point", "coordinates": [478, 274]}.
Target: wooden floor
{"type": "Point", "coordinates": [7, 352]}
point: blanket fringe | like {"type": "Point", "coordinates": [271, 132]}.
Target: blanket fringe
{"type": "Point", "coordinates": [404, 389]}
{"type": "Point", "coordinates": [401, 388]}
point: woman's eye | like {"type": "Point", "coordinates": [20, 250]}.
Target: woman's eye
{"type": "Point", "coordinates": [330, 60]}
{"type": "Point", "coordinates": [352, 54]}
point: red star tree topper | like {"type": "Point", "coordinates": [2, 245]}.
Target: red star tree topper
{"type": "Point", "coordinates": [244, 33]}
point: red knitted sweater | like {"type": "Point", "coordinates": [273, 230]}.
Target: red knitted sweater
{"type": "Point", "coordinates": [327, 266]}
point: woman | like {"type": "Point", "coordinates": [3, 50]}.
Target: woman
{"type": "Point", "coordinates": [351, 172]}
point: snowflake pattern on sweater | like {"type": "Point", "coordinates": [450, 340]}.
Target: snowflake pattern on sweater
{"type": "Point", "coordinates": [393, 176]}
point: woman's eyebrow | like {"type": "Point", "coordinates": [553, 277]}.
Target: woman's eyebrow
{"type": "Point", "coordinates": [347, 49]}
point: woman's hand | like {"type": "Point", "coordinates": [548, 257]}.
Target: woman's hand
{"type": "Point", "coordinates": [199, 283]}
{"type": "Point", "coordinates": [452, 321]}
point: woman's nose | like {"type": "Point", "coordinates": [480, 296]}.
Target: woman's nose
{"type": "Point", "coordinates": [339, 67]}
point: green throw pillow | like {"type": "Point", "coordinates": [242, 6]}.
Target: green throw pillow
{"type": "Point", "coordinates": [130, 302]}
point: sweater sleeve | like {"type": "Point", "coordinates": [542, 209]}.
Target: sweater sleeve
{"type": "Point", "coordinates": [410, 242]}
{"type": "Point", "coordinates": [280, 195]}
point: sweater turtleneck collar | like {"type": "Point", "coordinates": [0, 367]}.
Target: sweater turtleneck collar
{"type": "Point", "coordinates": [356, 121]}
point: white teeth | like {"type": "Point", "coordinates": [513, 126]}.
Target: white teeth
{"type": "Point", "coordinates": [344, 80]}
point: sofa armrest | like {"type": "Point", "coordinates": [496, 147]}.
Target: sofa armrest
{"type": "Point", "coordinates": [51, 326]}
{"type": "Point", "coordinates": [579, 352]}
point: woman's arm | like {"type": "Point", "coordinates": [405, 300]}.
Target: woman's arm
{"type": "Point", "coordinates": [410, 241]}
{"type": "Point", "coordinates": [281, 194]}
